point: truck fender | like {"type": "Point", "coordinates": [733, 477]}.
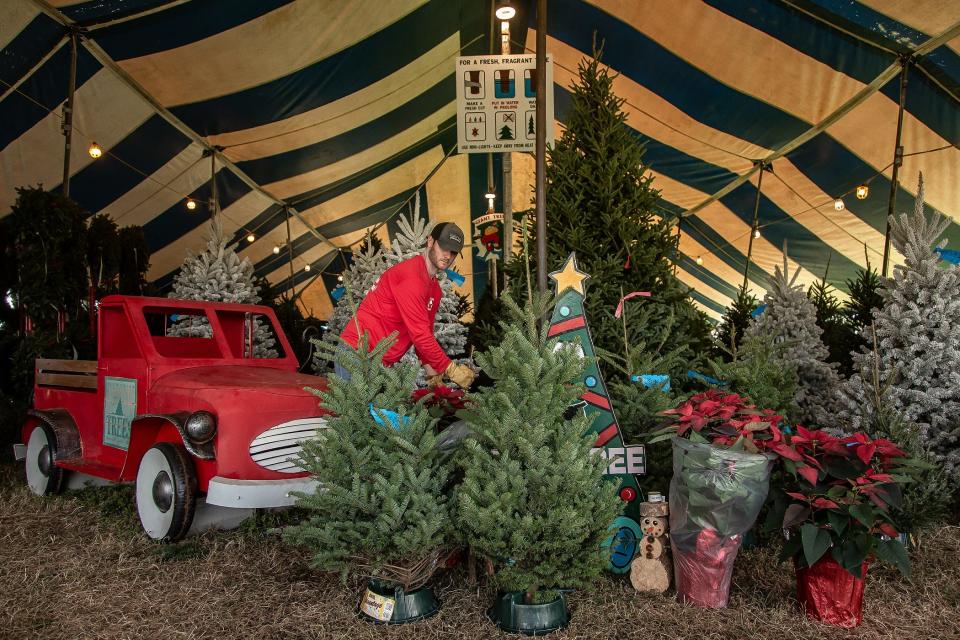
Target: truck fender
{"type": "Point", "coordinates": [64, 429]}
{"type": "Point", "coordinates": [149, 428]}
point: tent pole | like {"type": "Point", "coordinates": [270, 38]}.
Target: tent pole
{"type": "Point", "coordinates": [214, 200]}
{"type": "Point", "coordinates": [68, 114]}
{"type": "Point", "coordinates": [286, 215]}
{"type": "Point", "coordinates": [753, 227]}
{"type": "Point", "coordinates": [506, 244]}
{"type": "Point", "coordinates": [541, 145]}
{"type": "Point", "coordinates": [676, 255]}
{"type": "Point", "coordinates": [897, 161]}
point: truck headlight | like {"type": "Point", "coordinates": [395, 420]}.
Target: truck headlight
{"type": "Point", "coordinates": [201, 426]}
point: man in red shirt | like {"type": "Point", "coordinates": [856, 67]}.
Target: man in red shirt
{"type": "Point", "coordinates": [405, 299]}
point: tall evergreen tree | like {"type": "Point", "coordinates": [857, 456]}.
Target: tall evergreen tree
{"type": "Point", "coordinates": [918, 337]}
{"type": "Point", "coordinates": [134, 262]}
{"type": "Point", "coordinates": [791, 319]}
{"type": "Point", "coordinates": [533, 499]}
{"type": "Point", "coordinates": [217, 274]}
{"type": "Point", "coordinates": [838, 336]}
{"type": "Point", "coordinates": [866, 295]}
{"type": "Point", "coordinates": [735, 321]}
{"type": "Point", "coordinates": [602, 204]}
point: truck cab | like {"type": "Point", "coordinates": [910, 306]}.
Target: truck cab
{"type": "Point", "coordinates": [185, 401]}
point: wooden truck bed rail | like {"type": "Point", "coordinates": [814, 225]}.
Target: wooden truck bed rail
{"type": "Point", "coordinates": [76, 374]}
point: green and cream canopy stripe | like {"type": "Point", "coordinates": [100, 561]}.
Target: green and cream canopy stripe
{"type": "Point", "coordinates": [332, 113]}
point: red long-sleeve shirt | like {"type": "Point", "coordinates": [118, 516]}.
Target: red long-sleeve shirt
{"type": "Point", "coordinates": [405, 299]}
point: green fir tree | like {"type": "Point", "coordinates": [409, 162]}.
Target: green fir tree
{"type": "Point", "coordinates": [837, 334]}
{"type": "Point", "coordinates": [533, 499]}
{"type": "Point", "coordinates": [866, 295]}
{"type": "Point", "coordinates": [381, 508]}
{"type": "Point", "coordinates": [602, 204]}
{"type": "Point", "coordinates": [735, 320]}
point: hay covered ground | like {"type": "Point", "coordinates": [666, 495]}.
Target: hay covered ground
{"type": "Point", "coordinates": [77, 566]}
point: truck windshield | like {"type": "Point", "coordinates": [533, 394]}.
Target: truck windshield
{"type": "Point", "coordinates": [187, 333]}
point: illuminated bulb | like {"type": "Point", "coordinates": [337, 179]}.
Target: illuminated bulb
{"type": "Point", "coordinates": [699, 259]}
{"type": "Point", "coordinates": [340, 278]}
{"type": "Point", "coordinates": [95, 151]}
{"type": "Point", "coordinates": [506, 13]}
{"type": "Point", "coordinates": [306, 268]}
{"type": "Point", "coordinates": [191, 204]}
{"type": "Point", "coordinates": [838, 204]}
{"type": "Point", "coordinates": [756, 233]}
{"type": "Point", "coordinates": [251, 237]}
{"type": "Point", "coordinates": [862, 192]}
{"type": "Point", "coordinates": [276, 250]}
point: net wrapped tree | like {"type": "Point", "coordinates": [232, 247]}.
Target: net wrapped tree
{"type": "Point", "coordinates": [918, 340]}
{"type": "Point", "coordinates": [217, 274]}
{"type": "Point", "coordinates": [790, 320]}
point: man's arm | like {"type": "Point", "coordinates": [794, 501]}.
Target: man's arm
{"type": "Point", "coordinates": [419, 324]}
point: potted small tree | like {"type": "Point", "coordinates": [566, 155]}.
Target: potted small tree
{"type": "Point", "coordinates": [533, 500]}
{"type": "Point", "coordinates": [381, 508]}
{"type": "Point", "coordinates": [723, 448]}
{"type": "Point", "coordinates": [838, 505]}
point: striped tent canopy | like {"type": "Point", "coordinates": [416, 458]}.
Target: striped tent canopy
{"type": "Point", "coordinates": [325, 117]}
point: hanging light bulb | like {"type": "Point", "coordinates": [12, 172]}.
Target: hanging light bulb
{"type": "Point", "coordinates": [306, 268]}
{"type": "Point", "coordinates": [505, 12]}
{"type": "Point", "coordinates": [756, 232]}
{"type": "Point", "coordinates": [340, 278]}
{"type": "Point", "coordinates": [699, 259]}
{"type": "Point", "coordinates": [251, 237]}
{"type": "Point", "coordinates": [490, 196]}
{"type": "Point", "coordinates": [838, 204]}
{"type": "Point", "coordinates": [191, 204]}
{"type": "Point", "coordinates": [862, 192]}
{"type": "Point", "coordinates": [276, 250]}
{"type": "Point", "coordinates": [95, 151]}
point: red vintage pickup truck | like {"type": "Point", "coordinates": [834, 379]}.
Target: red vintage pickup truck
{"type": "Point", "coordinates": [198, 423]}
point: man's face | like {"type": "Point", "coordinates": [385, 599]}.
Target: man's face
{"type": "Point", "coordinates": [439, 258]}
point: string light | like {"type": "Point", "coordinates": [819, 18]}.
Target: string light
{"type": "Point", "coordinates": [838, 204]}
{"type": "Point", "coordinates": [862, 192]}
{"type": "Point", "coordinates": [251, 237]}
{"type": "Point", "coordinates": [191, 204]}
{"type": "Point", "coordinates": [340, 278]}
{"type": "Point", "coordinates": [306, 268]}
{"type": "Point", "coordinates": [95, 151]}
{"type": "Point", "coordinates": [699, 259]}
{"type": "Point", "coordinates": [756, 233]}
{"type": "Point", "coordinates": [490, 196]}
{"type": "Point", "coordinates": [276, 250]}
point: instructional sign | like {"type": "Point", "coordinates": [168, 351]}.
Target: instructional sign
{"type": "Point", "coordinates": [497, 103]}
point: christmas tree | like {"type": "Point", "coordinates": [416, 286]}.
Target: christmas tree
{"type": "Point", "coordinates": [918, 337]}
{"type": "Point", "coordinates": [219, 275]}
{"type": "Point", "coordinates": [533, 499]}
{"type": "Point", "coordinates": [866, 294]}
{"type": "Point", "coordinates": [381, 508]}
{"type": "Point", "coordinates": [602, 204]}
{"type": "Point", "coordinates": [838, 336]}
{"type": "Point", "coordinates": [735, 321]}
{"type": "Point", "coordinates": [790, 320]}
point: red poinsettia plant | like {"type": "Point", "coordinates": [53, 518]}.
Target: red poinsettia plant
{"type": "Point", "coordinates": [725, 420]}
{"type": "Point", "coordinates": [441, 401]}
{"type": "Point", "coordinates": [841, 493]}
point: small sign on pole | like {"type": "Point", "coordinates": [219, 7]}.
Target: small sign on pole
{"type": "Point", "coordinates": [497, 103]}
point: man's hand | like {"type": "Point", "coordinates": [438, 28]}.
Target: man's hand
{"type": "Point", "coordinates": [461, 374]}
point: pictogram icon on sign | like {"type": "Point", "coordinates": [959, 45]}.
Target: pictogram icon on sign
{"type": "Point", "coordinates": [476, 126]}
{"type": "Point", "coordinates": [504, 83]}
{"type": "Point", "coordinates": [506, 125]}
{"type": "Point", "coordinates": [473, 84]}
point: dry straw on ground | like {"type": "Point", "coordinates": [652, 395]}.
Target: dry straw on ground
{"type": "Point", "coordinates": [77, 566]}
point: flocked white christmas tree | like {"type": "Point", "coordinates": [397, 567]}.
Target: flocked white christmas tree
{"type": "Point", "coordinates": [217, 274]}
{"type": "Point", "coordinates": [791, 319]}
{"type": "Point", "coordinates": [367, 267]}
{"type": "Point", "coordinates": [918, 340]}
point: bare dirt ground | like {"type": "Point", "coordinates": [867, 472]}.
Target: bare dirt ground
{"type": "Point", "coordinates": [77, 566]}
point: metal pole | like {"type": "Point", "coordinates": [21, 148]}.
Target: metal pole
{"type": "Point", "coordinates": [541, 145]}
{"type": "Point", "coordinates": [214, 203]}
{"type": "Point", "coordinates": [507, 241]}
{"type": "Point", "coordinates": [897, 161]}
{"type": "Point", "coordinates": [753, 227]}
{"type": "Point", "coordinates": [676, 256]}
{"type": "Point", "coordinates": [286, 213]}
{"type": "Point", "coordinates": [68, 115]}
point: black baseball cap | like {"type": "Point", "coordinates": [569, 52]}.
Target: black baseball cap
{"type": "Point", "coordinates": [448, 236]}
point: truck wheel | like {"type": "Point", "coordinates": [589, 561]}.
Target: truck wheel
{"type": "Point", "coordinates": [43, 476]}
{"type": "Point", "coordinates": [166, 492]}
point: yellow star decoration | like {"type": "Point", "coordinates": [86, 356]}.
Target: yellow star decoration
{"type": "Point", "coordinates": [569, 277]}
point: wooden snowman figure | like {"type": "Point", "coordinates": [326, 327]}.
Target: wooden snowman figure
{"type": "Point", "coordinates": [651, 569]}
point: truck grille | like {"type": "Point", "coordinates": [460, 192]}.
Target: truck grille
{"type": "Point", "coordinates": [278, 448]}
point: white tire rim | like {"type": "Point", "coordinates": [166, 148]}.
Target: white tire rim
{"type": "Point", "coordinates": [38, 446]}
{"type": "Point", "coordinates": [155, 472]}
